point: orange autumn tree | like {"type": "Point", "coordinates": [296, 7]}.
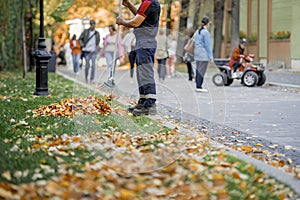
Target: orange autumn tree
{"type": "Point", "coordinates": [58, 11]}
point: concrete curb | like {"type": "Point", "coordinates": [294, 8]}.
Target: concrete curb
{"type": "Point", "coordinates": [282, 85]}
{"type": "Point", "coordinates": [278, 174]}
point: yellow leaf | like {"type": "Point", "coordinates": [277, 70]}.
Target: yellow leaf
{"type": "Point", "coordinates": [120, 142]}
{"type": "Point", "coordinates": [126, 194]}
{"type": "Point", "coordinates": [258, 145]}
{"type": "Point", "coordinates": [247, 149]}
{"type": "Point", "coordinates": [6, 175]}
{"type": "Point", "coordinates": [251, 169]}
{"type": "Point", "coordinates": [38, 129]}
{"type": "Point", "coordinates": [194, 167]}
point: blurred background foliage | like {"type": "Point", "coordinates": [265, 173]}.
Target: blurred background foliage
{"type": "Point", "coordinates": [55, 14]}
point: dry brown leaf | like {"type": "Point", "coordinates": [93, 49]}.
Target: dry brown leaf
{"type": "Point", "coordinates": [236, 174]}
{"type": "Point", "coordinates": [225, 164]}
{"type": "Point", "coordinates": [170, 168]}
{"type": "Point", "coordinates": [297, 175]}
{"type": "Point", "coordinates": [5, 194]}
{"type": "Point", "coordinates": [53, 188]}
{"type": "Point", "coordinates": [218, 180]}
{"type": "Point", "coordinates": [257, 150]}
{"type": "Point", "coordinates": [222, 195]}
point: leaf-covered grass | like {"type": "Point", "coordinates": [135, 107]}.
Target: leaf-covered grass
{"type": "Point", "coordinates": [17, 102]}
{"type": "Point", "coordinates": [114, 156]}
{"type": "Point", "coordinates": [19, 127]}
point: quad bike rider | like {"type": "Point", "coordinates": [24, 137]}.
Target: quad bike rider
{"type": "Point", "coordinates": [236, 57]}
{"type": "Point", "coordinates": [240, 66]}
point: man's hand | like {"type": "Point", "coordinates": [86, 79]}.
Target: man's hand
{"type": "Point", "coordinates": [119, 21]}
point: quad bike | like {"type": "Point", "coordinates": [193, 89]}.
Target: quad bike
{"type": "Point", "coordinates": [251, 74]}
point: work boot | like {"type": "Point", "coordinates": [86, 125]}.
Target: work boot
{"type": "Point", "coordinates": [145, 111]}
{"type": "Point", "coordinates": [139, 105]}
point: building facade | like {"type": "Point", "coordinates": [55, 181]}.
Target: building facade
{"type": "Point", "coordinates": [270, 26]}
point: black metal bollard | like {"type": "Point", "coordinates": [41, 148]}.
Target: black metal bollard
{"type": "Point", "coordinates": [42, 57]}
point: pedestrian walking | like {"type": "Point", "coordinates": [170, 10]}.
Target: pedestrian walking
{"type": "Point", "coordinates": [187, 58]}
{"type": "Point", "coordinates": [129, 43]}
{"type": "Point", "coordinates": [145, 24]}
{"type": "Point", "coordinates": [161, 54]}
{"type": "Point", "coordinates": [202, 52]}
{"type": "Point", "coordinates": [68, 54]}
{"type": "Point", "coordinates": [172, 46]}
{"type": "Point", "coordinates": [109, 45]}
{"type": "Point", "coordinates": [76, 53]}
{"type": "Point", "coordinates": [89, 42]}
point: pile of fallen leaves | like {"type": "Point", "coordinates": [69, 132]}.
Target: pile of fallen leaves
{"type": "Point", "coordinates": [74, 107]}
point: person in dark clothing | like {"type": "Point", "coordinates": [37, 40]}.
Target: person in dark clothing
{"type": "Point", "coordinates": [187, 58]}
{"type": "Point", "coordinates": [61, 56]}
{"type": "Point", "coordinates": [145, 24]}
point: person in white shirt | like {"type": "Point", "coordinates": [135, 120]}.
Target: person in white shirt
{"type": "Point", "coordinates": [129, 43]}
{"type": "Point", "coordinates": [172, 46]}
{"type": "Point", "coordinates": [109, 45]}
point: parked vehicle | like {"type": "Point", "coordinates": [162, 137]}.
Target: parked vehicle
{"type": "Point", "coordinates": [250, 73]}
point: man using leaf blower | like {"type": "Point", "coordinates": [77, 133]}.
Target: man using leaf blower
{"type": "Point", "coordinates": [145, 24]}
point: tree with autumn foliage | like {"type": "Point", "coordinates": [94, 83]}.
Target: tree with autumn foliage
{"type": "Point", "coordinates": [55, 14]}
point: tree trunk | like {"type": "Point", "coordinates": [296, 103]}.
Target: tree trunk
{"type": "Point", "coordinates": [235, 24]}
{"type": "Point", "coordinates": [196, 14]}
{"type": "Point", "coordinates": [218, 23]}
{"type": "Point", "coordinates": [169, 2]}
{"type": "Point", "coordinates": [23, 40]}
{"type": "Point", "coordinates": [183, 15]}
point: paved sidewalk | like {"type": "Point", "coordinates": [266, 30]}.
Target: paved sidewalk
{"type": "Point", "coordinates": [265, 116]}
{"type": "Point", "coordinates": [270, 114]}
